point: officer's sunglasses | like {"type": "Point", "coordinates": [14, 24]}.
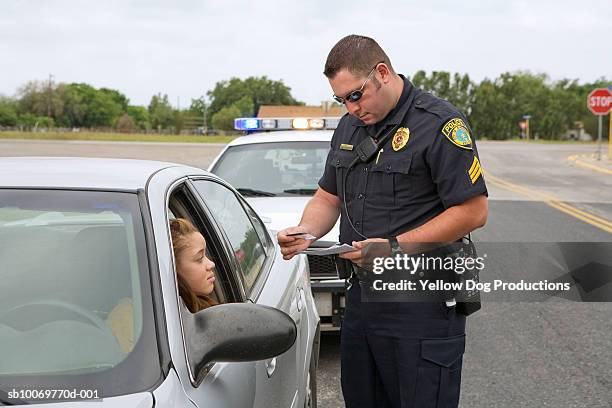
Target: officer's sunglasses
{"type": "Point", "coordinates": [355, 95]}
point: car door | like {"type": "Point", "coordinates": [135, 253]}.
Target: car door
{"type": "Point", "coordinates": [225, 385]}
{"type": "Point", "coordinates": [263, 283]}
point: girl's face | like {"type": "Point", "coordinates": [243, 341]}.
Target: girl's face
{"type": "Point", "coordinates": [194, 267]}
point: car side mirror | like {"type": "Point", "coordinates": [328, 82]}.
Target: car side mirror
{"type": "Point", "coordinates": [236, 332]}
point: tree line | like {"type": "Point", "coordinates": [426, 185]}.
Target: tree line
{"type": "Point", "coordinates": [41, 104]}
{"type": "Point", "coordinates": [494, 107]}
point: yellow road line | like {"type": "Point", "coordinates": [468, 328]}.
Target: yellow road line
{"type": "Point", "coordinates": [593, 217]}
{"type": "Point", "coordinates": [575, 159]}
{"type": "Point", "coordinates": [553, 202]}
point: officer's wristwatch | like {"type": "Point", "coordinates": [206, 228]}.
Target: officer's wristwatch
{"type": "Point", "coordinates": [395, 248]}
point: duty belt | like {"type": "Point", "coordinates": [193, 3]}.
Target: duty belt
{"type": "Point", "coordinates": [360, 274]}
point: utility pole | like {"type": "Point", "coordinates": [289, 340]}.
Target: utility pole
{"type": "Point", "coordinates": [49, 95]}
{"type": "Point", "coordinates": [204, 110]}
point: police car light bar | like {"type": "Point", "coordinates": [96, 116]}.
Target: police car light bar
{"type": "Point", "coordinates": [255, 124]}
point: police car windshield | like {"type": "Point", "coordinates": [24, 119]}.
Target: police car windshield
{"type": "Point", "coordinates": [279, 168]}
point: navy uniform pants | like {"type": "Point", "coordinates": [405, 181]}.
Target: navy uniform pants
{"type": "Point", "coordinates": [400, 354]}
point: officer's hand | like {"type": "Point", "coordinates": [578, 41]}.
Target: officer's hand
{"type": "Point", "coordinates": [365, 251]}
{"type": "Point", "coordinates": [290, 246]}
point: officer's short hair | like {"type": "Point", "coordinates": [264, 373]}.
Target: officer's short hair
{"type": "Point", "coordinates": [357, 54]}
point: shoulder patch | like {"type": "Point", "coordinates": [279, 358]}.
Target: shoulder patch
{"type": "Point", "coordinates": [457, 132]}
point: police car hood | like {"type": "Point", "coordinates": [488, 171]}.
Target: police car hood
{"type": "Point", "coordinates": [281, 212]}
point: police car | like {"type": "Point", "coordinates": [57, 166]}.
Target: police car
{"type": "Point", "coordinates": [278, 173]}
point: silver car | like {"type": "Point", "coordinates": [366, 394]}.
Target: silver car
{"type": "Point", "coordinates": [82, 238]}
{"type": "Point", "coordinates": [278, 173]}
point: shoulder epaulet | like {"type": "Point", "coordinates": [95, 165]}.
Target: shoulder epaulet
{"type": "Point", "coordinates": [348, 118]}
{"type": "Point", "coordinates": [435, 105]}
{"type": "Point", "coordinates": [346, 121]}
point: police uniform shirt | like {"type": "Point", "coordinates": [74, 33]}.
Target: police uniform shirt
{"type": "Point", "coordinates": [429, 164]}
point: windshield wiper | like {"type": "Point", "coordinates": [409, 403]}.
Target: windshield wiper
{"type": "Point", "coordinates": [301, 191]}
{"type": "Point", "coordinates": [257, 193]}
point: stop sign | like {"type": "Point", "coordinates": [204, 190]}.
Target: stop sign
{"type": "Point", "coordinates": [599, 101]}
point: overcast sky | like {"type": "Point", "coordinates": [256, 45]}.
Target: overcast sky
{"type": "Point", "coordinates": [183, 47]}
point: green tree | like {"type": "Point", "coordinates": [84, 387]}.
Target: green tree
{"type": "Point", "coordinates": [76, 106]}
{"type": "Point", "coordinates": [224, 119]}
{"type": "Point", "coordinates": [8, 112]}
{"type": "Point", "coordinates": [86, 106]}
{"type": "Point", "coordinates": [29, 120]}
{"type": "Point", "coordinates": [161, 114]}
{"type": "Point", "coordinates": [498, 106]}
{"type": "Point", "coordinates": [457, 89]}
{"type": "Point", "coordinates": [103, 110]}
{"type": "Point", "coordinates": [260, 90]}
{"type": "Point", "coordinates": [197, 107]}
{"type": "Point", "coordinates": [125, 124]}
{"type": "Point", "coordinates": [179, 120]}
{"type": "Point", "coordinates": [140, 114]}
{"type": "Point", "coordinates": [245, 106]}
{"type": "Point", "coordinates": [41, 98]}
{"type": "Point", "coordinates": [485, 118]}
{"type": "Point", "coordinates": [117, 97]}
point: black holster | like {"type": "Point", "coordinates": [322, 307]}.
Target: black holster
{"type": "Point", "coordinates": [344, 267]}
{"type": "Point", "coordinates": [468, 301]}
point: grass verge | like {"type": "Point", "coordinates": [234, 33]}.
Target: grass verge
{"type": "Point", "coordinates": [115, 137]}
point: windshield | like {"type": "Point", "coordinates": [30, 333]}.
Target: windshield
{"type": "Point", "coordinates": [283, 168]}
{"type": "Point", "coordinates": [75, 298]}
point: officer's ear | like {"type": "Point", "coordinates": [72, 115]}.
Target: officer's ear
{"type": "Point", "coordinates": [384, 73]}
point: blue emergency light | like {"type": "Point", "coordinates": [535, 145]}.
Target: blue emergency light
{"type": "Point", "coordinates": [247, 124]}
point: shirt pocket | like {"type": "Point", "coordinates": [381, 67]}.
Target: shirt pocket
{"type": "Point", "coordinates": [341, 161]}
{"type": "Point", "coordinates": [391, 179]}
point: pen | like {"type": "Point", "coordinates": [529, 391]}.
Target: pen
{"type": "Point", "coordinates": [377, 157]}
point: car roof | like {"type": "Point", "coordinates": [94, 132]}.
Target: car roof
{"type": "Point", "coordinates": [284, 136]}
{"type": "Point", "coordinates": [80, 172]}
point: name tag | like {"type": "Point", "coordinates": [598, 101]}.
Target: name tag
{"type": "Point", "coordinates": [345, 146]}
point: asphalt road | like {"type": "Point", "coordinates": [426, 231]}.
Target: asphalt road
{"type": "Point", "coordinates": [552, 353]}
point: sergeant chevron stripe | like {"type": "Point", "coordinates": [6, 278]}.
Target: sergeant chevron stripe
{"type": "Point", "coordinates": [475, 171]}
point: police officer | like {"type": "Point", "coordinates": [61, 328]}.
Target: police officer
{"type": "Point", "coordinates": [423, 185]}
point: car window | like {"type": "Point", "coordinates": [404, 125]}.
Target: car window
{"type": "Point", "coordinates": [281, 168]}
{"type": "Point", "coordinates": [262, 231]}
{"type": "Point", "coordinates": [75, 291]}
{"type": "Point", "coordinates": [237, 224]}
{"type": "Point", "coordinates": [183, 205]}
